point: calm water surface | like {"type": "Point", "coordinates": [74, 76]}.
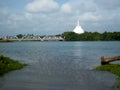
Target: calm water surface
{"type": "Point", "coordinates": [59, 65]}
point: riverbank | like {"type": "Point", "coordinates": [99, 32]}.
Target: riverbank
{"type": "Point", "coordinates": [7, 65]}
{"type": "Point", "coordinates": [113, 68]}
{"type": "Point", "coordinates": [6, 41]}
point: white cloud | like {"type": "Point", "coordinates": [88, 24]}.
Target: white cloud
{"type": "Point", "coordinates": [66, 8]}
{"type": "Point", "coordinates": [3, 11]}
{"type": "Point", "coordinates": [28, 16]}
{"type": "Point", "coordinates": [50, 17]}
{"type": "Point", "coordinates": [108, 4]}
{"type": "Point", "coordinates": [42, 6]}
{"type": "Point", "coordinates": [89, 17]}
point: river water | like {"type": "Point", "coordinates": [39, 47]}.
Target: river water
{"type": "Point", "coordinates": [59, 65]}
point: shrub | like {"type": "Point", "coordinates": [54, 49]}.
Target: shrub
{"type": "Point", "coordinates": [7, 64]}
{"type": "Point", "coordinates": [113, 68]}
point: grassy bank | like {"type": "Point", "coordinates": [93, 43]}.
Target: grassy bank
{"type": "Point", "coordinates": [6, 41]}
{"type": "Point", "coordinates": [113, 68]}
{"type": "Point", "coordinates": [7, 65]}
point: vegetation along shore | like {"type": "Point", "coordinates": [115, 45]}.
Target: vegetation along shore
{"type": "Point", "coordinates": [66, 36]}
{"type": "Point", "coordinates": [7, 65]}
{"type": "Point", "coordinates": [5, 40]}
{"type": "Point", "coordinates": [91, 36]}
{"type": "Point", "coordinates": [113, 68]}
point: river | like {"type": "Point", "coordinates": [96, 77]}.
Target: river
{"type": "Point", "coordinates": [59, 65]}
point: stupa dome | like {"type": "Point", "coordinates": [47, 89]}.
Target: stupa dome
{"type": "Point", "coordinates": [78, 29]}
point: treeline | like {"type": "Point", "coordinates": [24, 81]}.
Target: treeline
{"type": "Point", "coordinates": [91, 36]}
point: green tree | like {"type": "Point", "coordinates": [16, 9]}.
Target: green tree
{"type": "Point", "coordinates": [96, 36]}
{"type": "Point", "coordinates": [70, 36]}
{"type": "Point", "coordinates": [92, 36]}
{"type": "Point", "coordinates": [19, 36]}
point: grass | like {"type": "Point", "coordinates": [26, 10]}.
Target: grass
{"type": "Point", "coordinates": [113, 68]}
{"type": "Point", "coordinates": [7, 65]}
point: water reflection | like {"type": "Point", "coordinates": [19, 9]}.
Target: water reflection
{"type": "Point", "coordinates": [56, 66]}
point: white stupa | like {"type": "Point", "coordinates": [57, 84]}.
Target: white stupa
{"type": "Point", "coordinates": [78, 29]}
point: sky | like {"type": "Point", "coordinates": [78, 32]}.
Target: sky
{"type": "Point", "coordinates": [51, 17]}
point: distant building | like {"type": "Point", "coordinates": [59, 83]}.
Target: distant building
{"type": "Point", "coordinates": [78, 29]}
{"type": "Point", "coordinates": [29, 37]}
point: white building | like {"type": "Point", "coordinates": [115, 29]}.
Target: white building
{"type": "Point", "coordinates": [78, 29]}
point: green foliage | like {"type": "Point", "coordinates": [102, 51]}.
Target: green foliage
{"type": "Point", "coordinates": [19, 35]}
{"type": "Point", "coordinates": [117, 84]}
{"type": "Point", "coordinates": [92, 36]}
{"type": "Point", "coordinates": [7, 64]}
{"type": "Point", "coordinates": [1, 57]}
{"type": "Point", "coordinates": [70, 36]}
{"type": "Point", "coordinates": [113, 68]}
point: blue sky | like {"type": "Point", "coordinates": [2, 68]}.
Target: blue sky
{"type": "Point", "coordinates": [50, 17]}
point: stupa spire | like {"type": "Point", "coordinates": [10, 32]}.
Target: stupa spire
{"type": "Point", "coordinates": [78, 29]}
{"type": "Point", "coordinates": [78, 23]}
